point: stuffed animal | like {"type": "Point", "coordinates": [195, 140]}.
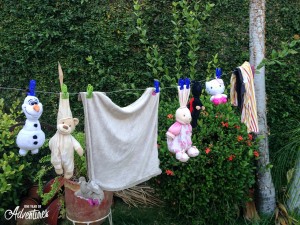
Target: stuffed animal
{"type": "Point", "coordinates": [179, 134]}
{"type": "Point", "coordinates": [31, 137]}
{"type": "Point", "coordinates": [195, 104]}
{"type": "Point", "coordinates": [63, 144]}
{"type": "Point", "coordinates": [90, 191]}
{"type": "Point", "coordinates": [216, 88]}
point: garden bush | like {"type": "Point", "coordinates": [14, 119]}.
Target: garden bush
{"type": "Point", "coordinates": [16, 172]}
{"type": "Point", "coordinates": [210, 188]}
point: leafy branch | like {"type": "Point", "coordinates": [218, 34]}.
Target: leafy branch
{"type": "Point", "coordinates": [278, 56]}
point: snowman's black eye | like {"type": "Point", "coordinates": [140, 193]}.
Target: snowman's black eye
{"type": "Point", "coordinates": [210, 87]}
{"type": "Point", "coordinates": [220, 85]}
{"type": "Point", "coordinates": [33, 101]}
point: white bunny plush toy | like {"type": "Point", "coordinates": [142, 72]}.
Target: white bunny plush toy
{"type": "Point", "coordinates": [179, 134]}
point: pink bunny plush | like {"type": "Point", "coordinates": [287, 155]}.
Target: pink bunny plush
{"type": "Point", "coordinates": [179, 134]}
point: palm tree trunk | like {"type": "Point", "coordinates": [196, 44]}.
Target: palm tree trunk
{"type": "Point", "coordinates": [266, 191]}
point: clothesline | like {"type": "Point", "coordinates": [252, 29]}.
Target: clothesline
{"type": "Point", "coordinates": [76, 93]}
{"type": "Point", "coordinates": [107, 92]}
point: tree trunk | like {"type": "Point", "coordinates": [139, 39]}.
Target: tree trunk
{"type": "Point", "coordinates": [266, 191]}
{"type": "Point", "coordinates": [294, 192]}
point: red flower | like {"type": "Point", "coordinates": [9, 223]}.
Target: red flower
{"type": "Point", "coordinates": [237, 127]}
{"type": "Point", "coordinates": [169, 172]}
{"type": "Point", "coordinates": [207, 150]}
{"type": "Point", "coordinates": [250, 137]}
{"type": "Point", "coordinates": [231, 157]}
{"type": "Point", "coordinates": [225, 124]}
{"type": "Point", "coordinates": [249, 143]}
{"type": "Point", "coordinates": [256, 154]}
{"type": "Point", "coordinates": [239, 138]}
{"type": "Point", "coordinates": [170, 116]}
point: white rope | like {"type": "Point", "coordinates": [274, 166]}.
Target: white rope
{"type": "Point", "coordinates": [109, 215]}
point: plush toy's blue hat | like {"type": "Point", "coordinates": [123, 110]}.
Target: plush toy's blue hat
{"type": "Point", "coordinates": [31, 91]}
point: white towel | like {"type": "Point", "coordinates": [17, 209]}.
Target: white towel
{"type": "Point", "coordinates": [121, 142]}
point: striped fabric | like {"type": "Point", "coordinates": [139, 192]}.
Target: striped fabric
{"type": "Point", "coordinates": [233, 93]}
{"type": "Point", "coordinates": [249, 110]}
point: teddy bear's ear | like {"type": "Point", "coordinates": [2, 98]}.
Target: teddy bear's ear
{"type": "Point", "coordinates": [76, 121]}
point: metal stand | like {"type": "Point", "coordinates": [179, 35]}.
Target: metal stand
{"type": "Point", "coordinates": [109, 215]}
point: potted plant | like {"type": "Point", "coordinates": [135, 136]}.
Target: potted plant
{"type": "Point", "coordinates": [58, 194]}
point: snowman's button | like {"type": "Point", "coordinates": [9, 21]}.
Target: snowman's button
{"type": "Point", "coordinates": [35, 125]}
{"type": "Point", "coordinates": [34, 137]}
{"type": "Point", "coordinates": [35, 143]}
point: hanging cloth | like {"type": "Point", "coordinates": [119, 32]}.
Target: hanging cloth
{"type": "Point", "coordinates": [242, 94]}
{"type": "Point", "coordinates": [237, 93]}
{"type": "Point", "coordinates": [121, 142]}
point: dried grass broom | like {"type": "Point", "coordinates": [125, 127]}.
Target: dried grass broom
{"type": "Point", "coordinates": [139, 195]}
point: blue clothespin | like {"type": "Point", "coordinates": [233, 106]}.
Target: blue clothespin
{"type": "Point", "coordinates": [181, 83]}
{"type": "Point", "coordinates": [32, 85]}
{"type": "Point", "coordinates": [156, 86]}
{"type": "Point", "coordinates": [187, 83]}
{"type": "Point", "coordinates": [218, 73]}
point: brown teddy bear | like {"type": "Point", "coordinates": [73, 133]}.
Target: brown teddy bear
{"type": "Point", "coordinates": [63, 144]}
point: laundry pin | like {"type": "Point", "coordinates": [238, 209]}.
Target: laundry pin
{"type": "Point", "coordinates": [31, 91]}
{"type": "Point", "coordinates": [218, 73]}
{"type": "Point", "coordinates": [89, 91]}
{"type": "Point", "coordinates": [181, 83]}
{"type": "Point", "coordinates": [187, 83]}
{"type": "Point", "coordinates": [64, 90]}
{"type": "Point", "coordinates": [156, 86]}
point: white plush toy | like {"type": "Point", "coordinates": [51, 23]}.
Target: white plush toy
{"type": "Point", "coordinates": [31, 137]}
{"type": "Point", "coordinates": [216, 88]}
{"type": "Point", "coordinates": [179, 134]}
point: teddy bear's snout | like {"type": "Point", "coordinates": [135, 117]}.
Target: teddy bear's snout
{"type": "Point", "coordinates": [65, 127]}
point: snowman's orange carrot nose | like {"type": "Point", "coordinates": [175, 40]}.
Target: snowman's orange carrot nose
{"type": "Point", "coordinates": [36, 108]}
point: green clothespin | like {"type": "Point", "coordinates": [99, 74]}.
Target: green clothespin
{"type": "Point", "coordinates": [89, 91]}
{"type": "Point", "coordinates": [64, 90]}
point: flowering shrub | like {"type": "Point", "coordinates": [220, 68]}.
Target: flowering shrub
{"type": "Point", "coordinates": [210, 188]}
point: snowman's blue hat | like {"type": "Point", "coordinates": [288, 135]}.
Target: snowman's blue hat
{"type": "Point", "coordinates": [32, 85]}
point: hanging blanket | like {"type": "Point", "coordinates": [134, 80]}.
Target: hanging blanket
{"type": "Point", "coordinates": [121, 143]}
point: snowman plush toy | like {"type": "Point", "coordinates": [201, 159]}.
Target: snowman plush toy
{"type": "Point", "coordinates": [31, 137]}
